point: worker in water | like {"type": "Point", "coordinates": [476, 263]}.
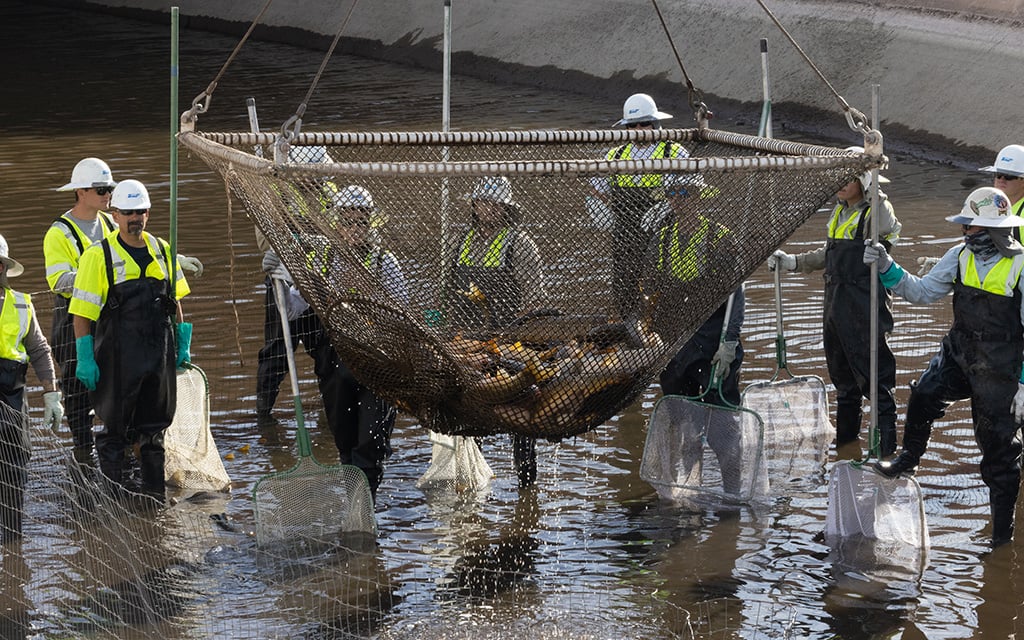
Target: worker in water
{"type": "Point", "coordinates": [981, 356]}
{"type": "Point", "coordinates": [129, 338]}
{"type": "Point", "coordinates": [847, 309]}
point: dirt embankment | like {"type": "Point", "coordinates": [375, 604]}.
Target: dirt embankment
{"type": "Point", "coordinates": [946, 68]}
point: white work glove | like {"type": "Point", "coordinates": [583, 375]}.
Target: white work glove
{"type": "Point", "coordinates": [926, 265]}
{"type": "Point", "coordinates": [53, 410]}
{"type": "Point", "coordinates": [273, 267]}
{"type": "Point", "coordinates": [724, 358]}
{"type": "Point", "coordinates": [781, 259]}
{"type": "Point", "coordinates": [270, 262]}
{"type": "Point", "coordinates": [877, 253]}
{"type": "Point", "coordinates": [191, 265]}
{"type": "Point", "coordinates": [1018, 404]}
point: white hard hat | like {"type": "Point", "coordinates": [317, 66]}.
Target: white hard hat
{"type": "Point", "coordinates": [865, 178]}
{"type": "Point", "coordinates": [354, 197]}
{"type": "Point", "coordinates": [640, 107]}
{"type": "Point", "coordinates": [130, 195]}
{"type": "Point", "coordinates": [493, 189]}
{"type": "Point", "coordinates": [89, 173]}
{"type": "Point", "coordinates": [987, 207]}
{"type": "Point", "coordinates": [14, 267]}
{"type": "Point", "coordinates": [314, 154]}
{"type": "Point", "coordinates": [1009, 160]}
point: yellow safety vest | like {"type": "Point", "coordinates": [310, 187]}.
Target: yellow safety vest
{"type": "Point", "coordinates": [91, 286]}
{"type": "Point", "coordinates": [495, 253]}
{"type": "Point", "coordinates": [1001, 279]}
{"type": "Point", "coordinates": [625, 152]}
{"type": "Point", "coordinates": [64, 244]}
{"type": "Point", "coordinates": [683, 261]}
{"type": "Point", "coordinates": [15, 320]}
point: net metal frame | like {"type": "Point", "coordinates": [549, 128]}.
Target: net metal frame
{"type": "Point", "coordinates": [467, 380]}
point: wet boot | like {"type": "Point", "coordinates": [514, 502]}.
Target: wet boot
{"type": "Point", "coordinates": [112, 461]}
{"type": "Point", "coordinates": [373, 478]}
{"type": "Point", "coordinates": [886, 436]}
{"type": "Point", "coordinates": [151, 464]}
{"type": "Point", "coordinates": [915, 442]}
{"type": "Point", "coordinates": [848, 419]}
{"type": "Point", "coordinates": [12, 499]}
{"type": "Point", "coordinates": [524, 459]}
{"type": "Point", "coordinates": [1002, 524]}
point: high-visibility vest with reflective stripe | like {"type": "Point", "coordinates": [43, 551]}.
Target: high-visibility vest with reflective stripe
{"type": "Point", "coordinates": [91, 286]}
{"type": "Point", "coordinates": [1001, 279]}
{"type": "Point", "coordinates": [495, 256]}
{"type": "Point", "coordinates": [64, 244]}
{"type": "Point", "coordinates": [848, 229]}
{"type": "Point", "coordinates": [15, 320]}
{"type": "Point", "coordinates": [625, 152]}
{"type": "Point", "coordinates": [683, 261]}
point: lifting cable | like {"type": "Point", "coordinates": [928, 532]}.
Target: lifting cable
{"type": "Point", "coordinates": [201, 102]}
{"type": "Point", "coordinates": [700, 110]}
{"type": "Point", "coordinates": [296, 119]}
{"type": "Point", "coordinates": [856, 119]}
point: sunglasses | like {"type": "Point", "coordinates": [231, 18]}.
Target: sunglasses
{"type": "Point", "coordinates": [1003, 176]}
{"type": "Point", "coordinates": [681, 192]}
{"type": "Point", "coordinates": [102, 191]}
{"type": "Point", "coordinates": [133, 212]}
{"type": "Point", "coordinates": [634, 125]}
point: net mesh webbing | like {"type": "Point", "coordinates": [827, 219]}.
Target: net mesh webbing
{"type": "Point", "coordinates": [548, 328]}
{"type": "Point", "coordinates": [192, 460]}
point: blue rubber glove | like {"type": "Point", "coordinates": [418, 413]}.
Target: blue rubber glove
{"type": "Point", "coordinates": [184, 331]}
{"type": "Point", "coordinates": [87, 371]}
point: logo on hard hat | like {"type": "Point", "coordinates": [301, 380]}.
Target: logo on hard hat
{"type": "Point", "coordinates": [1005, 159]}
{"type": "Point", "coordinates": [1001, 204]}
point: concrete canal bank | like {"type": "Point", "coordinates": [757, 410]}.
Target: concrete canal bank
{"type": "Point", "coordinates": [947, 69]}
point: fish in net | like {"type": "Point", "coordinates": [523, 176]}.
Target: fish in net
{"type": "Point", "coordinates": [484, 345]}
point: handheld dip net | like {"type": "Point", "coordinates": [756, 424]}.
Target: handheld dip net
{"type": "Point", "coordinates": [544, 323]}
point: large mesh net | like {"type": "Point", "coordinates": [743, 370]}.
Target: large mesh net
{"type": "Point", "coordinates": [539, 321]}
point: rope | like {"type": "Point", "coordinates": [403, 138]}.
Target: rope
{"type": "Point", "coordinates": [297, 118]}
{"type": "Point", "coordinates": [700, 110]}
{"type": "Point", "coordinates": [857, 120]}
{"type": "Point", "coordinates": [234, 298]}
{"type": "Point", "coordinates": [198, 104]}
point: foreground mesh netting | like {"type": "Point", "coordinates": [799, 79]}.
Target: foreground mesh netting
{"type": "Point", "coordinates": [95, 565]}
{"type": "Point", "coordinates": [550, 352]}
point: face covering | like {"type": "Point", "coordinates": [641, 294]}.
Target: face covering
{"type": "Point", "coordinates": [981, 244]}
{"type": "Point", "coordinates": [987, 243]}
{"type": "Point", "coordinates": [1005, 242]}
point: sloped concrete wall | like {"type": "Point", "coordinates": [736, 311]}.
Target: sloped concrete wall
{"type": "Point", "coordinates": [946, 68]}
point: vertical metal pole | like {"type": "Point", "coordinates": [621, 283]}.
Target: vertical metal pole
{"type": "Point", "coordinates": [873, 435]}
{"type": "Point", "coordinates": [446, 80]}
{"type": "Point", "coordinates": [174, 149]}
{"type": "Point", "coordinates": [765, 130]}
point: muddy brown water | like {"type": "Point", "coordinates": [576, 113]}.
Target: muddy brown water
{"type": "Point", "coordinates": [600, 542]}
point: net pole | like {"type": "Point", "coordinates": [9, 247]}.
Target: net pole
{"type": "Point", "coordinates": [174, 150]}
{"type": "Point", "coordinates": [446, 97]}
{"type": "Point", "coordinates": [765, 130]}
{"type": "Point", "coordinates": [873, 436]}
